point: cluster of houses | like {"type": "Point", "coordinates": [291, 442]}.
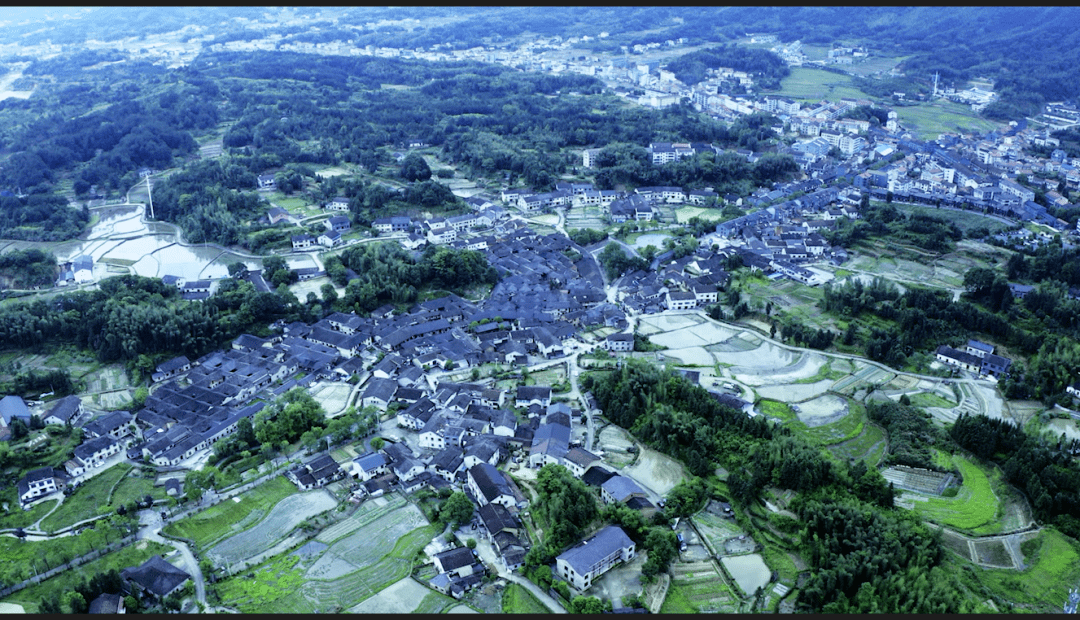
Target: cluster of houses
{"type": "Point", "coordinates": [977, 357]}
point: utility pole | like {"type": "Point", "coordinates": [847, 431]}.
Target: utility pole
{"type": "Point", "coordinates": [150, 196]}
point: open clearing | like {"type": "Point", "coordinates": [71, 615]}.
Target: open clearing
{"type": "Point", "coordinates": [283, 518]}
{"type": "Point", "coordinates": [333, 396]}
{"type": "Point", "coordinates": [749, 571]}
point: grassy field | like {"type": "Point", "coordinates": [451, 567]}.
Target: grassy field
{"type": "Point", "coordinates": [17, 517]}
{"type": "Point", "coordinates": [517, 600]}
{"type": "Point", "coordinates": [435, 603]}
{"type": "Point", "coordinates": [814, 85]}
{"type": "Point", "coordinates": [929, 399]}
{"type": "Point", "coordinates": [683, 214]}
{"type": "Point", "coordinates": [964, 220]}
{"type": "Point", "coordinates": [975, 506]}
{"type": "Point", "coordinates": [868, 446]}
{"type": "Point", "coordinates": [776, 409]}
{"type": "Point", "coordinates": [55, 587]}
{"type": "Point", "coordinates": [930, 119]}
{"type": "Point", "coordinates": [94, 498]}
{"type": "Point", "coordinates": [218, 521]}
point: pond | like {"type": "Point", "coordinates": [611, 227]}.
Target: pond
{"type": "Point", "coordinates": [749, 571]}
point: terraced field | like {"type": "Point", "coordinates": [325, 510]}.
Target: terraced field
{"type": "Point", "coordinates": [350, 562]}
{"type": "Point", "coordinates": [974, 506]}
{"type": "Point", "coordinates": [715, 530]}
{"type": "Point", "coordinates": [282, 519]}
{"type": "Point", "coordinates": [698, 587]}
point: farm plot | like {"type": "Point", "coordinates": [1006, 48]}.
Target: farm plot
{"type": "Point", "coordinates": [680, 339]}
{"type": "Point", "coordinates": [282, 519]}
{"type": "Point", "coordinates": [402, 597]}
{"type": "Point", "coordinates": [614, 442]}
{"type": "Point", "coordinates": [368, 544]}
{"type": "Point", "coordinates": [795, 392]}
{"type": "Point", "coordinates": [956, 543]}
{"type": "Point", "coordinates": [689, 356]}
{"type": "Point", "coordinates": [994, 553]}
{"type": "Point", "coordinates": [749, 571]}
{"type": "Point", "coordinates": [666, 323]}
{"type": "Point", "coordinates": [352, 588]}
{"type": "Point", "coordinates": [368, 512]}
{"type": "Point", "coordinates": [698, 587]}
{"type": "Point", "coordinates": [715, 530]}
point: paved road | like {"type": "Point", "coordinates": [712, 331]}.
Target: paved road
{"type": "Point", "coordinates": [488, 555]}
{"type": "Point", "coordinates": [151, 523]}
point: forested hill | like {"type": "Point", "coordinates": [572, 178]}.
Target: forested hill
{"type": "Point", "coordinates": [1030, 52]}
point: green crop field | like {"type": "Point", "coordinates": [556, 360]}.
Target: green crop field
{"type": "Point", "coordinates": [217, 522]}
{"type": "Point", "coordinates": [930, 399]}
{"type": "Point", "coordinates": [868, 446]}
{"type": "Point", "coordinates": [814, 85]}
{"type": "Point", "coordinates": [964, 220]}
{"type": "Point", "coordinates": [517, 600]}
{"type": "Point", "coordinates": [973, 507]}
{"type": "Point", "coordinates": [778, 410]}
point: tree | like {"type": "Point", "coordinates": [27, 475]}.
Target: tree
{"type": "Point", "coordinates": [589, 605]}
{"type": "Point", "coordinates": [377, 443]}
{"type": "Point", "coordinates": [457, 510]}
{"type": "Point", "coordinates": [237, 269]}
{"type": "Point", "coordinates": [414, 168]}
{"type": "Point", "coordinates": [75, 602]}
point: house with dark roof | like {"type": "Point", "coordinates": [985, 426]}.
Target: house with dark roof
{"type": "Point", "coordinates": [457, 562]}
{"type": "Point", "coordinates": [12, 407]}
{"type": "Point", "coordinates": [379, 393]}
{"type": "Point", "coordinates": [118, 424]}
{"type": "Point", "coordinates": [488, 485]}
{"type": "Point", "coordinates": [171, 368]}
{"type": "Point", "coordinates": [583, 563]}
{"type": "Point", "coordinates": [315, 473]}
{"type": "Point", "coordinates": [107, 604]}
{"type": "Point", "coordinates": [533, 394]}
{"type": "Point", "coordinates": [550, 444]}
{"type": "Point", "coordinates": [955, 357]}
{"type": "Point", "coordinates": [39, 483]}
{"type": "Point", "coordinates": [578, 460]}
{"type": "Point", "coordinates": [620, 489]}
{"type": "Point", "coordinates": [64, 410]}
{"type": "Point", "coordinates": [154, 579]}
